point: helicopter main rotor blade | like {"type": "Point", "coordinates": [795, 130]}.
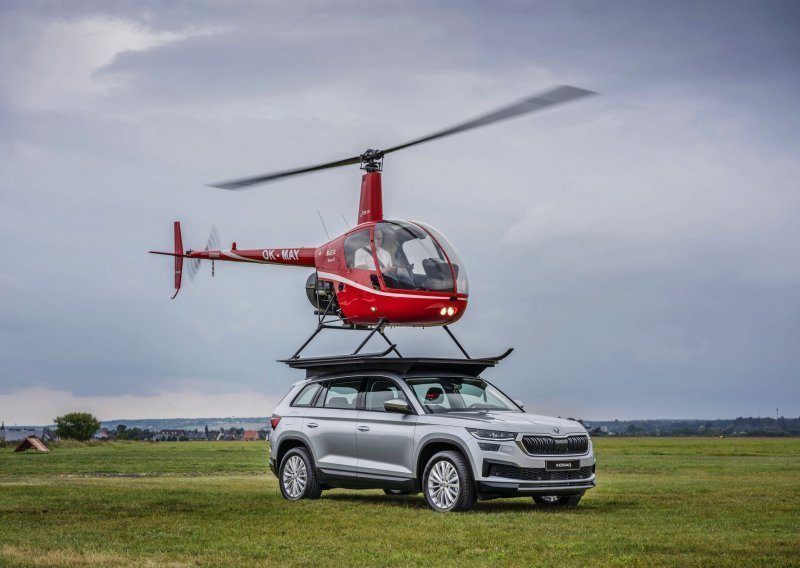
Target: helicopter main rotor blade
{"type": "Point", "coordinates": [552, 97]}
{"type": "Point", "coordinates": [549, 98]}
{"type": "Point", "coordinates": [247, 182]}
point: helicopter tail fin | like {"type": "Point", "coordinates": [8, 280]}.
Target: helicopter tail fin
{"type": "Point", "coordinates": [178, 255]}
{"type": "Point", "coordinates": [178, 258]}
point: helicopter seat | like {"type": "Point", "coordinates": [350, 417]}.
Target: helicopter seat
{"type": "Point", "coordinates": [440, 277]}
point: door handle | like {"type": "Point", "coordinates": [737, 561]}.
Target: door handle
{"type": "Point", "coordinates": [312, 424]}
{"type": "Point", "coordinates": [363, 428]}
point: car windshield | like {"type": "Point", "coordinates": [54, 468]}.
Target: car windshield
{"type": "Point", "coordinates": [456, 394]}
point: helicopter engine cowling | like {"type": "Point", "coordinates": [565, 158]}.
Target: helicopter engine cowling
{"type": "Point", "coordinates": [321, 294]}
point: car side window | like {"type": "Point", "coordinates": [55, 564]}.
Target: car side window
{"type": "Point", "coordinates": [306, 395]}
{"type": "Point", "coordinates": [343, 394]}
{"type": "Point", "coordinates": [381, 390]}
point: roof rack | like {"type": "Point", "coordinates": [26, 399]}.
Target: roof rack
{"type": "Point", "coordinates": [315, 366]}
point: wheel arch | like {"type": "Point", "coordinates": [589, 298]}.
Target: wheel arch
{"type": "Point", "coordinates": [289, 443]}
{"type": "Point", "coordinates": [435, 445]}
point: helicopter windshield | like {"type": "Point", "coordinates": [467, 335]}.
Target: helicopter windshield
{"type": "Point", "coordinates": [462, 284]}
{"type": "Point", "coordinates": [411, 259]}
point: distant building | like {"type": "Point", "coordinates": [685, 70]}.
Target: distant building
{"type": "Point", "coordinates": [167, 435]}
{"type": "Point", "coordinates": [175, 433]}
{"type": "Point", "coordinates": [250, 436]}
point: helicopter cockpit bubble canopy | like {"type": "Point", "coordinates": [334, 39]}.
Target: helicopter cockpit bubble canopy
{"type": "Point", "coordinates": [417, 257]}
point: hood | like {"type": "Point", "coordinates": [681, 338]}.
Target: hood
{"type": "Point", "coordinates": [515, 422]}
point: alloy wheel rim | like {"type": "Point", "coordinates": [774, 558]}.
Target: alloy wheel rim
{"type": "Point", "coordinates": [444, 486]}
{"type": "Point", "coordinates": [295, 477]}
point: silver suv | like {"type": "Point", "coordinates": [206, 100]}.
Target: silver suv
{"type": "Point", "coordinates": [407, 425]}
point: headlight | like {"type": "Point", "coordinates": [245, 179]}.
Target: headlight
{"type": "Point", "coordinates": [491, 434]}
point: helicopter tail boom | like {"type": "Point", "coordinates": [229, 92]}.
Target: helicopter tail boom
{"type": "Point", "coordinates": [302, 256]}
{"type": "Point", "coordinates": [298, 256]}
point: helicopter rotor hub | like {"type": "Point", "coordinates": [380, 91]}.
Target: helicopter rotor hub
{"type": "Point", "coordinates": [372, 161]}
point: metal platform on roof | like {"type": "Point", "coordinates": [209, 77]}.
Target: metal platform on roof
{"type": "Point", "coordinates": [315, 366]}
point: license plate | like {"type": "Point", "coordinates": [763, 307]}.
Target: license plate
{"type": "Point", "coordinates": [562, 465]}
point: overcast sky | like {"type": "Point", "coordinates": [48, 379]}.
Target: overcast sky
{"type": "Point", "coordinates": [639, 249]}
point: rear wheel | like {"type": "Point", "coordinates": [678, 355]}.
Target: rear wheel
{"type": "Point", "coordinates": [447, 483]}
{"type": "Point", "coordinates": [296, 476]}
{"type": "Point", "coordinates": [558, 500]}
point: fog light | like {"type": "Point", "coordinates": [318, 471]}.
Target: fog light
{"type": "Point", "coordinates": [443, 311]}
{"type": "Point", "coordinates": [451, 310]}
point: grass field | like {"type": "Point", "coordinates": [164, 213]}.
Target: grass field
{"type": "Point", "coordinates": [659, 501]}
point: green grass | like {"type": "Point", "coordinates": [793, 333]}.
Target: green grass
{"type": "Point", "coordinates": [659, 501]}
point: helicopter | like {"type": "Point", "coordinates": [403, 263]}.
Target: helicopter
{"type": "Point", "coordinates": [382, 272]}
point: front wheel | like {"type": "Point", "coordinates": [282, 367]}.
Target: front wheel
{"type": "Point", "coordinates": [296, 476]}
{"type": "Point", "coordinates": [447, 483]}
{"type": "Point", "coordinates": [558, 500]}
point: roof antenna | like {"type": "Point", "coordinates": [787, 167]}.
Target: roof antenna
{"type": "Point", "coordinates": [323, 225]}
{"type": "Point", "coordinates": [345, 222]}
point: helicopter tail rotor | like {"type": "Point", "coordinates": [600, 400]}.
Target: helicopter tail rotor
{"type": "Point", "coordinates": [211, 244]}
{"type": "Point", "coordinates": [180, 254]}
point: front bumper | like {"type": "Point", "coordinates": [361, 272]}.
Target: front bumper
{"type": "Point", "coordinates": [508, 471]}
{"type": "Point", "coordinates": [511, 488]}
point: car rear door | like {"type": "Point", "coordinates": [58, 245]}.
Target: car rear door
{"type": "Point", "coordinates": [331, 426]}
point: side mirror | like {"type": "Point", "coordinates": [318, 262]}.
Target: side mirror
{"type": "Point", "coordinates": [519, 403]}
{"type": "Point", "coordinates": [396, 405]}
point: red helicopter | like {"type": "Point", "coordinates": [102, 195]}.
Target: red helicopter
{"type": "Point", "coordinates": [381, 272]}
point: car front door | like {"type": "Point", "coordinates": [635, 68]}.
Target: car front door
{"type": "Point", "coordinates": [331, 427]}
{"type": "Point", "coordinates": [385, 440]}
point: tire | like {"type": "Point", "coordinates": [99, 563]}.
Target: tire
{"type": "Point", "coordinates": [447, 483]}
{"type": "Point", "coordinates": [558, 500]}
{"type": "Point", "coordinates": [296, 476]}
{"type": "Point", "coordinates": [398, 492]}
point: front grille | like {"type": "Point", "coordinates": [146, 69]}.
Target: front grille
{"type": "Point", "coordinates": [549, 446]}
{"type": "Point", "coordinates": [538, 474]}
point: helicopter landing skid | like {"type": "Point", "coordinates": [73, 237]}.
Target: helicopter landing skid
{"type": "Point", "coordinates": [377, 328]}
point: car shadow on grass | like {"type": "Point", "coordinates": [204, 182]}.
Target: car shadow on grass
{"type": "Point", "coordinates": [492, 506]}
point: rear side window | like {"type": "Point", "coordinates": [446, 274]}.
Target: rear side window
{"type": "Point", "coordinates": [343, 394]}
{"type": "Point", "coordinates": [306, 395]}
